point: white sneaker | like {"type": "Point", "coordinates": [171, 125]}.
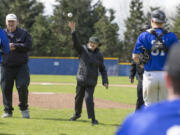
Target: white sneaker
{"type": "Point", "coordinates": [25, 114]}
{"type": "Point", "coordinates": [6, 115]}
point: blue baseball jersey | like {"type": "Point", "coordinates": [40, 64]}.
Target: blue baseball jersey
{"type": "Point", "coordinates": [4, 43]}
{"type": "Point", "coordinates": [158, 57]}
{"type": "Point", "coordinates": [159, 119]}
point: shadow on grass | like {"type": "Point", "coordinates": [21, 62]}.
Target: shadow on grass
{"type": "Point", "coordinates": [114, 125]}
{"type": "Point", "coordinates": [54, 119]}
{"type": "Point", "coordinates": [5, 134]}
{"type": "Point", "coordinates": [102, 124]}
{"type": "Point", "coordinates": [79, 120]}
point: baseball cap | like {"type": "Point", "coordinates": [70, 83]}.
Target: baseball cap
{"type": "Point", "coordinates": [12, 17]}
{"type": "Point", "coordinates": [173, 61]}
{"type": "Point", "coordinates": [158, 16]}
{"type": "Point", "coordinates": [94, 40]}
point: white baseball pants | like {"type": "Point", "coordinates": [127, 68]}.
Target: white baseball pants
{"type": "Point", "coordinates": [154, 88]}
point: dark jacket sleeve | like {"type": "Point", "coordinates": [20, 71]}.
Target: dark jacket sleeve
{"type": "Point", "coordinates": [132, 70]}
{"type": "Point", "coordinates": [76, 42]}
{"type": "Point", "coordinates": [103, 71]}
{"type": "Point", "coordinates": [26, 45]}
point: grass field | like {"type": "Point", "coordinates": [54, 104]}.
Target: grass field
{"type": "Point", "coordinates": [55, 121]}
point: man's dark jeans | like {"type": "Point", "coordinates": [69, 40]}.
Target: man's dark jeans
{"type": "Point", "coordinates": [19, 75]}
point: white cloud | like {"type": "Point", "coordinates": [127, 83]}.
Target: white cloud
{"type": "Point", "coordinates": [48, 6]}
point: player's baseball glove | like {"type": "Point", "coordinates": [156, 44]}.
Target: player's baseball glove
{"type": "Point", "coordinates": [144, 57]}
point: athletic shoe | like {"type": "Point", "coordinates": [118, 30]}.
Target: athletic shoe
{"type": "Point", "coordinates": [6, 115]}
{"type": "Point", "coordinates": [74, 117]}
{"type": "Point", "coordinates": [94, 122]}
{"type": "Point", "coordinates": [25, 114]}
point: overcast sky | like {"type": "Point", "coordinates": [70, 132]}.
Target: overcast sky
{"type": "Point", "coordinates": [121, 8]}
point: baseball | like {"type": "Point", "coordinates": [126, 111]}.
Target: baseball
{"type": "Point", "coordinates": [69, 14]}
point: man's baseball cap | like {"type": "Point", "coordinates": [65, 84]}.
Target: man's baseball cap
{"type": "Point", "coordinates": [158, 16]}
{"type": "Point", "coordinates": [11, 17]}
{"type": "Point", "coordinates": [94, 40]}
{"type": "Point", "coordinates": [173, 61]}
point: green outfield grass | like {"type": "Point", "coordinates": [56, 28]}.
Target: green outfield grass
{"type": "Point", "coordinates": [117, 94]}
{"type": "Point", "coordinates": [55, 121]}
{"type": "Point", "coordinates": [68, 79]}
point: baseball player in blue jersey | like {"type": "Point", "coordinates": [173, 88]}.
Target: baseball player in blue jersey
{"type": "Point", "coordinates": [155, 42]}
{"type": "Point", "coordinates": [162, 118]}
{"type": "Point", "coordinates": [4, 43]}
{"type": "Point", "coordinates": [4, 46]}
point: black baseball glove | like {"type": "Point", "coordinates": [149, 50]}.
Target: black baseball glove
{"type": "Point", "coordinates": [144, 57]}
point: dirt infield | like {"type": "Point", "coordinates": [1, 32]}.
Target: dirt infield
{"type": "Point", "coordinates": [54, 100]}
{"type": "Point", "coordinates": [61, 100]}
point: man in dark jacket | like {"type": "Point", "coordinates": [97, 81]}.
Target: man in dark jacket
{"type": "Point", "coordinates": [90, 61]}
{"type": "Point", "coordinates": [15, 67]}
{"type": "Point", "coordinates": [135, 68]}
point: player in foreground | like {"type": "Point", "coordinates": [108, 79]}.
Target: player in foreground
{"type": "Point", "coordinates": [162, 118]}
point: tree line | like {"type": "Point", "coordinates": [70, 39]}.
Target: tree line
{"type": "Point", "coordinates": [51, 35]}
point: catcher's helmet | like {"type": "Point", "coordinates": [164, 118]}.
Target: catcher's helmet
{"type": "Point", "coordinates": [158, 16]}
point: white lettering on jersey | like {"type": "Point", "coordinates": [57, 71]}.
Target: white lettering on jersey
{"type": "Point", "coordinates": [152, 42]}
{"type": "Point", "coordinates": [174, 130]}
{"type": "Point", "coordinates": [157, 52]}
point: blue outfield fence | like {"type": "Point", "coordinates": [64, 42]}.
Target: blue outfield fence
{"type": "Point", "coordinates": [69, 66]}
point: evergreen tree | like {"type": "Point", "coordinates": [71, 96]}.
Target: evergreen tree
{"type": "Point", "coordinates": [107, 31]}
{"type": "Point", "coordinates": [176, 22]}
{"type": "Point", "coordinates": [90, 20]}
{"type": "Point", "coordinates": [42, 37]}
{"type": "Point", "coordinates": [81, 10]}
{"type": "Point", "coordinates": [2, 13]}
{"type": "Point", "coordinates": [133, 25]}
{"type": "Point", "coordinates": [26, 11]}
{"type": "Point", "coordinates": [51, 35]}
